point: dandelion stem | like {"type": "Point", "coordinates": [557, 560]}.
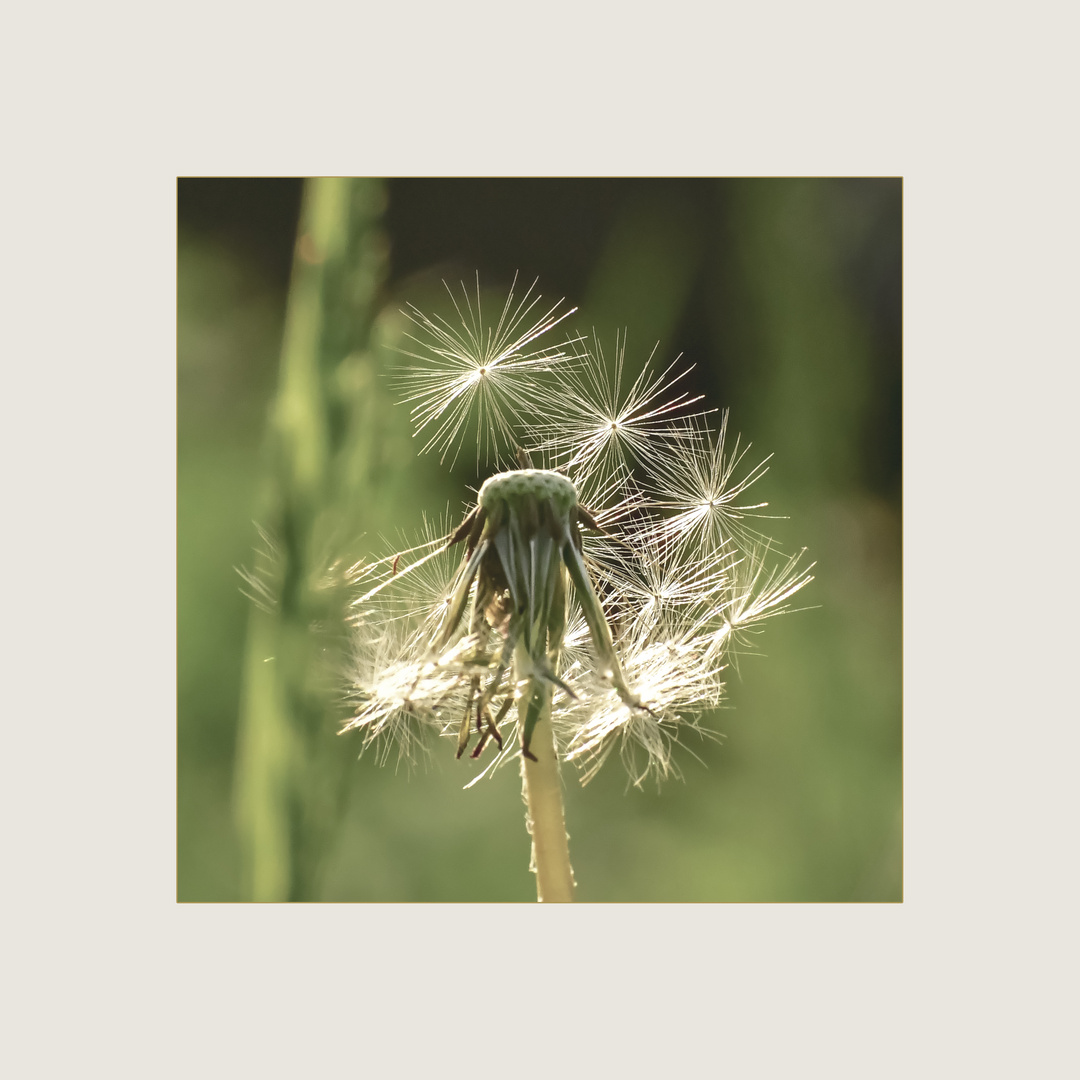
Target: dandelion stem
{"type": "Point", "coordinates": [542, 792]}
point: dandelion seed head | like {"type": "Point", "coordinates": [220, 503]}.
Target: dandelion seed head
{"type": "Point", "coordinates": [621, 573]}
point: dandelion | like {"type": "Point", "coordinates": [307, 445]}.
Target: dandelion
{"type": "Point", "coordinates": [586, 606]}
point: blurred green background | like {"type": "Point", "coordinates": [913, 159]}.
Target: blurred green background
{"type": "Point", "coordinates": [785, 294]}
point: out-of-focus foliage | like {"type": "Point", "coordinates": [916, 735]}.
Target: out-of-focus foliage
{"type": "Point", "coordinates": [785, 294]}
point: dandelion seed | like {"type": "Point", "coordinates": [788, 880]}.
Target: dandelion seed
{"type": "Point", "coordinates": [677, 673]}
{"type": "Point", "coordinates": [261, 581]}
{"type": "Point", "coordinates": [478, 371]}
{"type": "Point", "coordinates": [656, 581]}
{"type": "Point", "coordinates": [596, 426]}
{"type": "Point", "coordinates": [759, 591]}
{"type": "Point", "coordinates": [701, 486]}
{"type": "Point", "coordinates": [397, 701]}
{"type": "Point", "coordinates": [420, 595]}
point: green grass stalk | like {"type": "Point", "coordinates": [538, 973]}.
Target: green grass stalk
{"type": "Point", "coordinates": [291, 771]}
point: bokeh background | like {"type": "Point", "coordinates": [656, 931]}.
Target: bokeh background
{"type": "Point", "coordinates": [784, 294]}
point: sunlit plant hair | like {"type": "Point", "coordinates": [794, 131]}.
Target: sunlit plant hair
{"type": "Point", "coordinates": [607, 573]}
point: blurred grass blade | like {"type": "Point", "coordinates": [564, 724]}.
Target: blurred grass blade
{"type": "Point", "coordinates": [292, 771]}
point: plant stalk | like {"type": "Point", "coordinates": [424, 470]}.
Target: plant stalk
{"type": "Point", "coordinates": [292, 772]}
{"type": "Point", "coordinates": [544, 817]}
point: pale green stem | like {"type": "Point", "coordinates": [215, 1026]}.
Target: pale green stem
{"type": "Point", "coordinates": [544, 818]}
